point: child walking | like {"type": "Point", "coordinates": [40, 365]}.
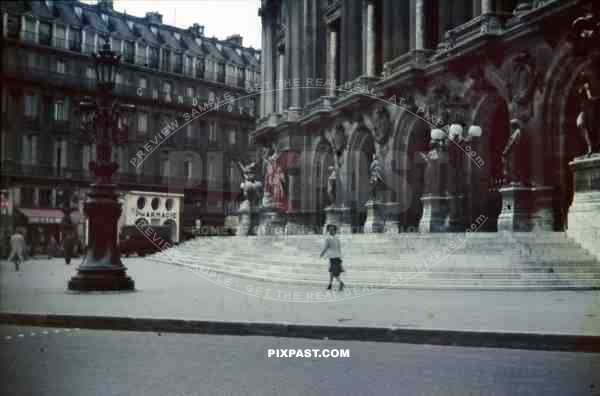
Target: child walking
{"type": "Point", "coordinates": [332, 248]}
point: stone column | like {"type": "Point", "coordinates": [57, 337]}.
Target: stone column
{"type": "Point", "coordinates": [296, 56]}
{"type": "Point", "coordinates": [279, 82]}
{"type": "Point", "coordinates": [268, 60]}
{"type": "Point", "coordinates": [486, 6]}
{"type": "Point", "coordinates": [370, 28]}
{"type": "Point", "coordinates": [417, 24]}
{"type": "Point", "coordinates": [332, 59]}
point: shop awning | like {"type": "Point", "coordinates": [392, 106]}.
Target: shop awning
{"type": "Point", "coordinates": [47, 216]}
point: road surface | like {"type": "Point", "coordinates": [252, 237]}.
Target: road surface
{"type": "Point", "coordinates": [46, 361]}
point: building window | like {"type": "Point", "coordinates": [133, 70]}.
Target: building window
{"type": "Point", "coordinates": [60, 110]}
{"type": "Point", "coordinates": [154, 57]}
{"type": "Point", "coordinates": [232, 136]}
{"type": "Point", "coordinates": [167, 91]}
{"type": "Point", "coordinates": [128, 51]}
{"type": "Point", "coordinates": [30, 106]}
{"type": "Point", "coordinates": [60, 154]}
{"type": "Point", "coordinates": [155, 203]}
{"type": "Point", "coordinates": [75, 39]}
{"type": "Point", "coordinates": [30, 29]}
{"type": "Point", "coordinates": [187, 168]}
{"type": "Point", "coordinates": [141, 203]}
{"type": "Point", "coordinates": [60, 38]}
{"type": "Point", "coordinates": [45, 198]}
{"type": "Point", "coordinates": [189, 132]}
{"type": "Point", "coordinates": [189, 92]}
{"type": "Point", "coordinates": [143, 82]}
{"type": "Point", "coordinates": [27, 197]}
{"type": "Point", "coordinates": [86, 157]}
{"type": "Point", "coordinates": [169, 204]}
{"type": "Point", "coordinates": [164, 167]}
{"type": "Point", "coordinates": [211, 170]}
{"type": "Point", "coordinates": [115, 44]}
{"type": "Point", "coordinates": [166, 59]}
{"type": "Point", "coordinates": [119, 79]}
{"type": "Point", "coordinates": [212, 132]}
{"type": "Point", "coordinates": [29, 150]}
{"type": "Point", "coordinates": [142, 122]}
{"type": "Point", "coordinates": [45, 33]}
{"type": "Point", "coordinates": [61, 67]}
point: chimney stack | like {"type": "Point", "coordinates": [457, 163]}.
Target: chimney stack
{"type": "Point", "coordinates": [154, 17]}
{"type": "Point", "coordinates": [105, 4]}
{"type": "Point", "coordinates": [236, 39]}
{"type": "Point", "coordinates": [196, 30]}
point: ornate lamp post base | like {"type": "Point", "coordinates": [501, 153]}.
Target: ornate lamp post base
{"type": "Point", "coordinates": [102, 269]}
{"type": "Point", "coordinates": [99, 280]}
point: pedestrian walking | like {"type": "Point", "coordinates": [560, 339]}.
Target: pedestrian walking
{"type": "Point", "coordinates": [68, 244]}
{"type": "Point", "coordinates": [333, 250]}
{"type": "Point", "coordinates": [52, 247]}
{"type": "Point", "coordinates": [17, 249]}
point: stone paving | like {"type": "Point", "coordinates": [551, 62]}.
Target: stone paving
{"type": "Point", "coordinates": [169, 291]}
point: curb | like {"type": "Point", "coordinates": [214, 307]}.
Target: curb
{"type": "Point", "coordinates": [463, 338]}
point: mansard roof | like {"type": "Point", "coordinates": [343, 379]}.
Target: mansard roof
{"type": "Point", "coordinates": [129, 27]}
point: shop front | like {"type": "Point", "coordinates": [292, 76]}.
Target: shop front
{"type": "Point", "coordinates": [158, 209]}
{"type": "Point", "coordinates": [40, 225]}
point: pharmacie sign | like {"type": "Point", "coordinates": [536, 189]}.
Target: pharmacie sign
{"type": "Point", "coordinates": [156, 213]}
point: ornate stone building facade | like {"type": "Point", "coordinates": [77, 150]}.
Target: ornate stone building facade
{"type": "Point", "coordinates": [426, 114]}
{"type": "Point", "coordinates": [166, 72]}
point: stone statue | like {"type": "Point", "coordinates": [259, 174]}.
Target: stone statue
{"type": "Point", "coordinates": [375, 177]}
{"type": "Point", "coordinates": [515, 156]}
{"type": "Point", "coordinates": [587, 119]}
{"type": "Point", "coordinates": [271, 176]}
{"type": "Point", "coordinates": [250, 187]}
{"type": "Point", "coordinates": [332, 185]}
{"type": "Point", "coordinates": [436, 160]}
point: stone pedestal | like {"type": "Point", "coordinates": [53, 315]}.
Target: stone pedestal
{"type": "Point", "coordinates": [271, 221]}
{"type": "Point", "coordinates": [584, 213]}
{"type": "Point", "coordinates": [435, 213]}
{"type": "Point", "coordinates": [375, 217]}
{"type": "Point", "coordinates": [542, 218]}
{"type": "Point", "coordinates": [457, 219]}
{"type": "Point", "coordinates": [392, 217]}
{"type": "Point", "coordinates": [517, 206]}
{"type": "Point", "coordinates": [526, 209]}
{"type": "Point", "coordinates": [247, 223]}
{"type": "Point", "coordinates": [340, 217]}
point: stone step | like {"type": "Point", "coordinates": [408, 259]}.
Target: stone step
{"type": "Point", "coordinates": [489, 261]}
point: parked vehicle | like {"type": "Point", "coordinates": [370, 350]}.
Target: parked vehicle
{"type": "Point", "coordinates": [144, 240]}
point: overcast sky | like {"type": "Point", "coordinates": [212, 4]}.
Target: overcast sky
{"type": "Point", "coordinates": [221, 18]}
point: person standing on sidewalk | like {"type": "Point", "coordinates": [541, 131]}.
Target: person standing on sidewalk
{"type": "Point", "coordinates": [68, 244]}
{"type": "Point", "coordinates": [17, 249]}
{"type": "Point", "coordinates": [332, 248]}
{"type": "Point", "coordinates": [52, 247]}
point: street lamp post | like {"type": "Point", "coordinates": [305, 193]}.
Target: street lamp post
{"type": "Point", "coordinates": [104, 122]}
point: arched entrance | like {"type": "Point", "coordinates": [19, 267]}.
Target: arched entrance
{"type": "Point", "coordinates": [360, 155]}
{"type": "Point", "coordinates": [323, 161]}
{"type": "Point", "coordinates": [412, 139]}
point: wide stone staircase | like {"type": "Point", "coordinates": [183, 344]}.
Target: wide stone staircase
{"type": "Point", "coordinates": [427, 261]}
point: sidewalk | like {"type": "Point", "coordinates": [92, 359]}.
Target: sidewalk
{"type": "Point", "coordinates": [171, 292]}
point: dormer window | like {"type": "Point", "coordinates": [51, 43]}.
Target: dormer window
{"type": "Point", "coordinates": [257, 56]}
{"type": "Point", "coordinates": [154, 30]}
{"type": "Point", "coordinates": [239, 51]}
{"type": "Point", "coordinates": [219, 47]}
{"type": "Point", "coordinates": [130, 24]}
{"type": "Point", "coordinates": [105, 18]}
{"type": "Point", "coordinates": [177, 36]}
{"type": "Point", "coordinates": [199, 41]}
{"type": "Point", "coordinates": [78, 11]}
